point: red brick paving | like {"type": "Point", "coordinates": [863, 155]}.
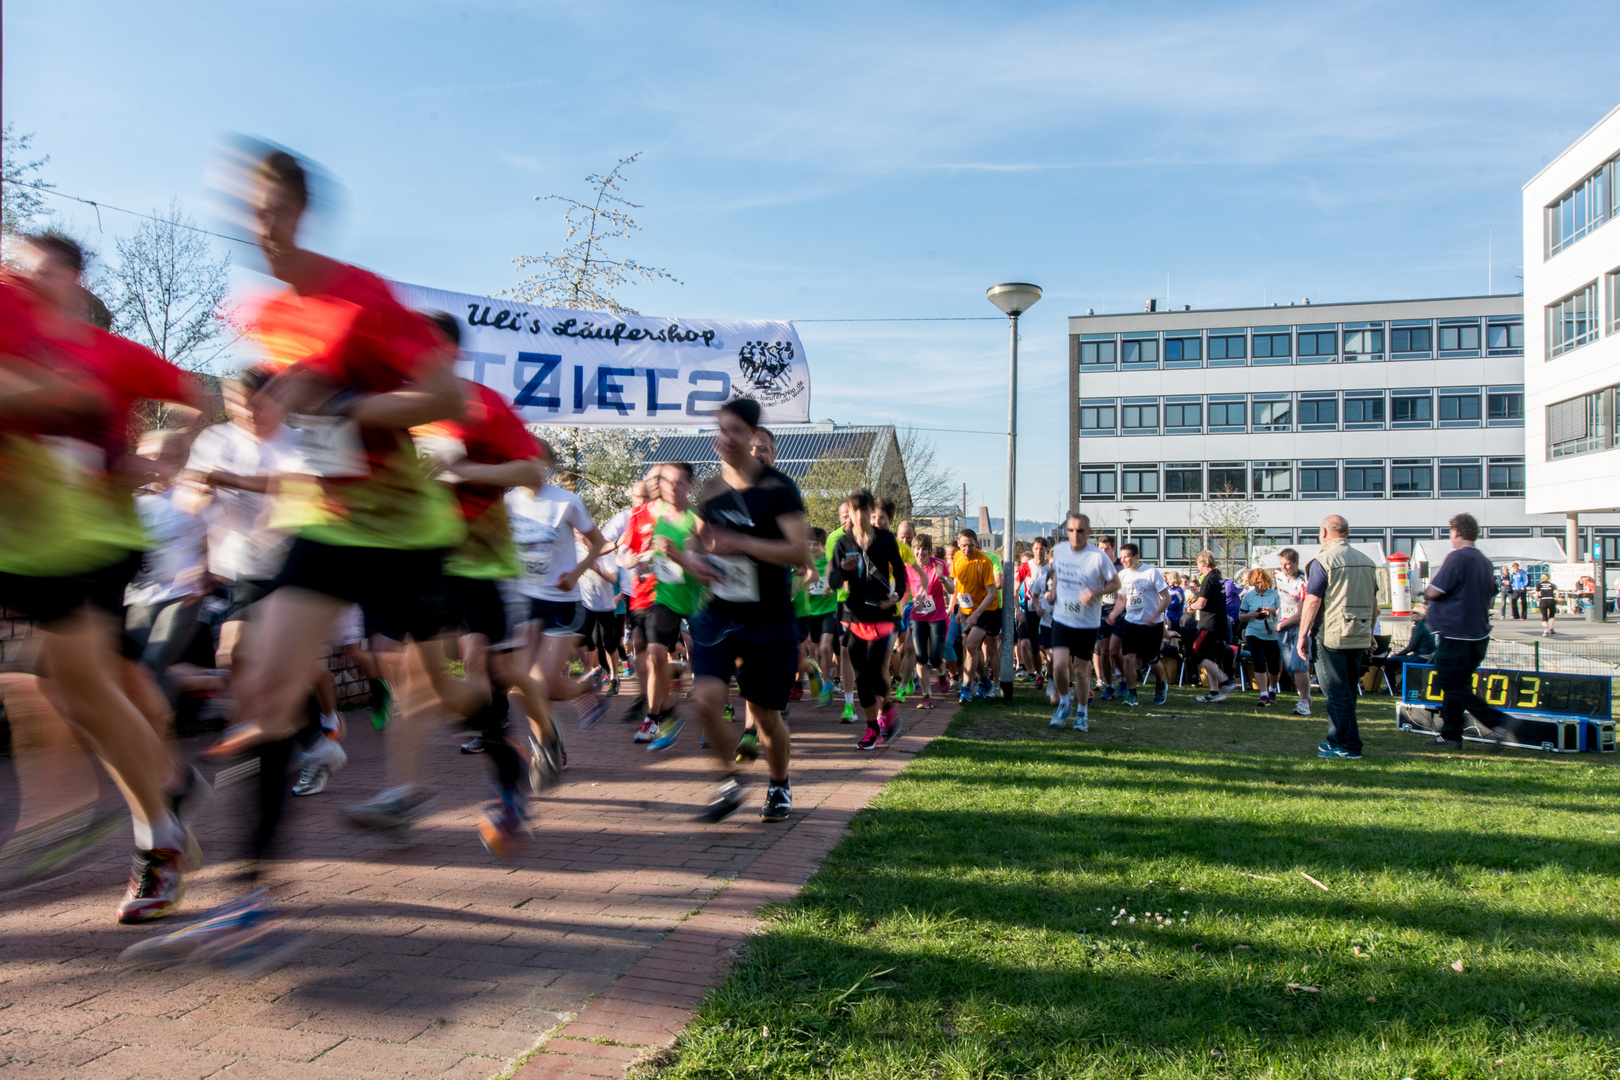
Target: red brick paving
{"type": "Point", "coordinates": [427, 957]}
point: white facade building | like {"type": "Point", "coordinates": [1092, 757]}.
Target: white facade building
{"type": "Point", "coordinates": [1396, 414]}
{"type": "Point", "coordinates": [1572, 332]}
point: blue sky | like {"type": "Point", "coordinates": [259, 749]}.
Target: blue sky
{"type": "Point", "coordinates": [862, 161]}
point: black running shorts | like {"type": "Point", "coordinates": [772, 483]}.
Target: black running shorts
{"type": "Point", "coordinates": [476, 607]}
{"type": "Point", "coordinates": [1080, 642]}
{"type": "Point", "coordinates": [401, 591]}
{"type": "Point", "coordinates": [769, 655]}
{"type": "Point", "coordinates": [1142, 642]}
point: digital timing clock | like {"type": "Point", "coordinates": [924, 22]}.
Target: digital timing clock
{"type": "Point", "coordinates": [1539, 693]}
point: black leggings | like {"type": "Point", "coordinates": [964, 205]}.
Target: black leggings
{"type": "Point", "coordinates": [870, 659]}
{"type": "Point", "coordinates": [1267, 657]}
{"type": "Point", "coordinates": [929, 640]}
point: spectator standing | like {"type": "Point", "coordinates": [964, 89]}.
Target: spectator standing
{"type": "Point", "coordinates": [1520, 583]}
{"type": "Point", "coordinates": [1459, 597]}
{"type": "Point", "coordinates": [1291, 597]}
{"type": "Point", "coordinates": [1210, 647]}
{"type": "Point", "coordinates": [1336, 629]}
{"type": "Point", "coordinates": [1547, 601]}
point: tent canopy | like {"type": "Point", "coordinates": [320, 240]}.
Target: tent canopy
{"type": "Point", "coordinates": [1524, 550]}
{"type": "Point", "coordinates": [1267, 557]}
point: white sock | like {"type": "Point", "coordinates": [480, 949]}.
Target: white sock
{"type": "Point", "coordinates": [849, 697]}
{"type": "Point", "coordinates": [330, 722]}
{"type": "Point", "coordinates": [163, 832]}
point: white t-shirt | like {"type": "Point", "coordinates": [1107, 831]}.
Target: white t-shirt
{"type": "Point", "coordinates": [1088, 568]}
{"type": "Point", "coordinates": [598, 594]}
{"type": "Point", "coordinates": [1141, 588]}
{"type": "Point", "coordinates": [1291, 596]}
{"type": "Point", "coordinates": [241, 546]}
{"type": "Point", "coordinates": [1035, 588]}
{"type": "Point", "coordinates": [178, 545]}
{"type": "Point", "coordinates": [614, 532]}
{"type": "Point", "coordinates": [543, 529]}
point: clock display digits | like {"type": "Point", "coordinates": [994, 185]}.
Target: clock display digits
{"type": "Point", "coordinates": [1431, 688]}
{"type": "Point", "coordinates": [1496, 690]}
{"type": "Point", "coordinates": [1529, 692]}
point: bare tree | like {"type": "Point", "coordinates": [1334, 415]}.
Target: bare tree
{"type": "Point", "coordinates": [597, 464]}
{"type": "Point", "coordinates": [168, 292]}
{"type": "Point", "coordinates": [1228, 519]}
{"type": "Point", "coordinates": [931, 484]}
{"type": "Point", "coordinates": [584, 275]}
{"type": "Point", "coordinates": [22, 202]}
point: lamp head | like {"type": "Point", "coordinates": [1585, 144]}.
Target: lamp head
{"type": "Point", "coordinates": [1015, 297]}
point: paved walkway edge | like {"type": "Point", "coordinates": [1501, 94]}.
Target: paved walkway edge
{"type": "Point", "coordinates": [645, 1010]}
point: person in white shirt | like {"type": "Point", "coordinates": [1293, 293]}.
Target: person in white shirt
{"type": "Point", "coordinates": [1141, 630]}
{"type": "Point", "coordinates": [166, 595]}
{"type": "Point", "coordinates": [1081, 576]}
{"type": "Point", "coordinates": [545, 522]}
{"type": "Point", "coordinates": [1291, 598]}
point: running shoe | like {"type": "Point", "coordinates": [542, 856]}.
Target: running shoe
{"type": "Point", "coordinates": [814, 682]}
{"type": "Point", "coordinates": [668, 732]}
{"type": "Point", "coordinates": [382, 703]}
{"type": "Point", "coordinates": [648, 730]}
{"type": "Point", "coordinates": [1080, 720]}
{"type": "Point", "coordinates": [1338, 752]}
{"type": "Point", "coordinates": [590, 708]}
{"type": "Point", "coordinates": [796, 691]}
{"type": "Point", "coordinates": [900, 693]}
{"type": "Point", "coordinates": [731, 714]}
{"type": "Point", "coordinates": [1107, 693]}
{"type": "Point", "coordinates": [748, 748]}
{"type": "Point", "coordinates": [612, 687]}
{"type": "Point", "coordinates": [336, 734]}
{"type": "Point", "coordinates": [869, 739]}
{"type": "Point", "coordinates": [824, 697]}
{"type": "Point", "coordinates": [1208, 698]}
{"type": "Point", "coordinates": [395, 808]}
{"type": "Point", "coordinates": [246, 937]}
{"type": "Point", "coordinates": [849, 713]}
{"type": "Point", "coordinates": [978, 691]}
{"type": "Point", "coordinates": [1302, 708]}
{"type": "Point", "coordinates": [474, 745]}
{"type": "Point", "coordinates": [505, 826]}
{"type": "Point", "coordinates": [1441, 740]}
{"type": "Point", "coordinates": [55, 847]}
{"type": "Point", "coordinates": [778, 803]}
{"type": "Point", "coordinates": [927, 702]}
{"type": "Point", "coordinates": [1161, 693]}
{"type": "Point", "coordinates": [703, 742]}
{"type": "Point", "coordinates": [964, 697]}
{"type": "Point", "coordinates": [727, 797]}
{"type": "Point", "coordinates": [636, 712]}
{"type": "Point", "coordinates": [888, 722]}
{"type": "Point", "coordinates": [944, 684]}
{"type": "Point", "coordinates": [1040, 682]}
{"type": "Point", "coordinates": [545, 765]}
{"type": "Point", "coordinates": [1060, 715]}
{"type": "Point", "coordinates": [317, 765]}
{"type": "Point", "coordinates": [155, 886]}
{"type": "Point", "coordinates": [1228, 688]}
{"type": "Point", "coordinates": [1122, 689]}
{"type": "Point", "coordinates": [1130, 699]}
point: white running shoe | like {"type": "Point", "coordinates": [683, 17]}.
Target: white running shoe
{"type": "Point", "coordinates": [1061, 715]}
{"type": "Point", "coordinates": [319, 762]}
{"type": "Point", "coordinates": [1080, 720]}
{"type": "Point", "coordinates": [1302, 708]}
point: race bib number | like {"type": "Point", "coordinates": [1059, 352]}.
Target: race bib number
{"type": "Point", "coordinates": [966, 603]}
{"type": "Point", "coordinates": [665, 570]}
{"type": "Point", "coordinates": [1072, 608]}
{"type": "Point", "coordinates": [1136, 603]}
{"type": "Point", "coordinates": [438, 452]}
{"type": "Point", "coordinates": [536, 563]}
{"type": "Point", "coordinates": [923, 606]}
{"type": "Point", "coordinates": [324, 446]}
{"type": "Point", "coordinates": [817, 587]}
{"type": "Point", "coordinates": [738, 581]}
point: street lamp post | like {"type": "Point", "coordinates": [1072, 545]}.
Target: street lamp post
{"type": "Point", "coordinates": [1014, 298]}
{"type": "Point", "coordinates": [1130, 516]}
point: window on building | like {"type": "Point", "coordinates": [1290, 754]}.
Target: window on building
{"type": "Point", "coordinates": [1098, 417]}
{"type": "Point", "coordinates": [1098, 353]}
{"type": "Point", "coordinates": [1459, 406]}
{"type": "Point", "coordinates": [1184, 481]}
{"type": "Point", "coordinates": [1273, 412]}
{"type": "Point", "coordinates": [1507, 477]}
{"type": "Point", "coordinates": [1141, 351]}
{"type": "Point", "coordinates": [1459, 337]}
{"type": "Point", "coordinates": [1364, 344]}
{"type": "Point", "coordinates": [1461, 477]}
{"type": "Point", "coordinates": [1184, 349]}
{"type": "Point", "coordinates": [1147, 546]}
{"type": "Point", "coordinates": [1273, 480]}
{"type": "Point", "coordinates": [1409, 410]}
{"type": "Point", "coordinates": [1363, 410]}
{"type": "Point", "coordinates": [1505, 406]}
{"type": "Point", "coordinates": [1581, 209]}
{"type": "Point", "coordinates": [1406, 542]}
{"type": "Point", "coordinates": [1411, 478]}
{"type": "Point", "coordinates": [1498, 531]}
{"type": "Point", "coordinates": [1142, 481]}
{"type": "Point", "coordinates": [1364, 479]}
{"type": "Point", "coordinates": [1228, 479]}
{"type": "Point", "coordinates": [1318, 345]}
{"type": "Point", "coordinates": [1581, 425]}
{"type": "Point", "coordinates": [1318, 412]}
{"type": "Point", "coordinates": [1504, 338]}
{"type": "Point", "coordinates": [1572, 321]}
{"type": "Point", "coordinates": [1140, 417]}
{"type": "Point", "coordinates": [1411, 339]}
{"type": "Point", "coordinates": [1318, 479]}
{"type": "Point", "coordinates": [1183, 416]}
{"type": "Point", "coordinates": [1098, 483]}
{"type": "Point", "coordinates": [1272, 348]}
{"type": "Point", "coordinates": [1226, 413]}
{"type": "Point", "coordinates": [1613, 288]}
{"type": "Point", "coordinates": [1181, 547]}
{"type": "Point", "coordinates": [1227, 347]}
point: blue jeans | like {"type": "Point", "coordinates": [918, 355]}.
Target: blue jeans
{"type": "Point", "coordinates": [1337, 672]}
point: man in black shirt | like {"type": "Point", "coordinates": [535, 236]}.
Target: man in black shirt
{"type": "Point", "coordinates": [1459, 597]}
{"type": "Point", "coordinates": [751, 531]}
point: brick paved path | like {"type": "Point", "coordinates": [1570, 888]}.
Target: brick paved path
{"type": "Point", "coordinates": [428, 958]}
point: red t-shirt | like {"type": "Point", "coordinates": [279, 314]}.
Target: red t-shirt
{"type": "Point", "coordinates": [638, 533]}
{"type": "Point", "coordinates": [492, 434]}
{"type": "Point", "coordinates": [128, 373]}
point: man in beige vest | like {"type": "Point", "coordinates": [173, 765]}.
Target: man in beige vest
{"type": "Point", "coordinates": [1336, 623]}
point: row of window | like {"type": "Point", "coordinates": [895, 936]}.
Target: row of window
{"type": "Point", "coordinates": [1582, 208]}
{"type": "Point", "coordinates": [1414, 339]}
{"type": "Point", "coordinates": [1401, 478]}
{"type": "Point", "coordinates": [1180, 547]}
{"type": "Point", "coordinates": [1574, 320]}
{"type": "Point", "coordinates": [1320, 410]}
{"type": "Point", "coordinates": [1583, 425]}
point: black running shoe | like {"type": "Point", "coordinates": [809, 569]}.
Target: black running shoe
{"type": "Point", "coordinates": [778, 803]}
{"type": "Point", "coordinates": [727, 798]}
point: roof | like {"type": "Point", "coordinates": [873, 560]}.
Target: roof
{"type": "Point", "coordinates": [1565, 151]}
{"type": "Point", "coordinates": [1266, 555]}
{"type": "Point", "coordinates": [798, 447]}
{"type": "Point", "coordinates": [1525, 550]}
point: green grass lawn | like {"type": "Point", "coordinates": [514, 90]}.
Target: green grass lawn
{"type": "Point", "coordinates": [1024, 902]}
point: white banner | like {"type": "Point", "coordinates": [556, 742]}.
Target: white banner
{"type": "Point", "coordinates": [586, 368]}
